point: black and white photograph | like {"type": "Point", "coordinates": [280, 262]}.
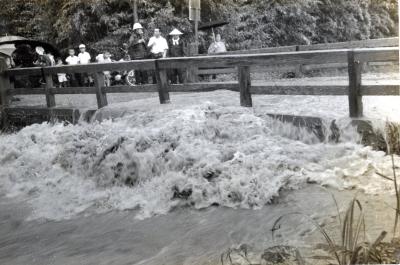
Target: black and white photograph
{"type": "Point", "coordinates": [199, 132]}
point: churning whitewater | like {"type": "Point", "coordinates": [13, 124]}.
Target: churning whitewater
{"type": "Point", "coordinates": [154, 160]}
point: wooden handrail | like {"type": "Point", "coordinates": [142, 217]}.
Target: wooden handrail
{"type": "Point", "coordinates": [371, 43]}
{"type": "Point", "coordinates": [84, 68]}
{"type": "Point", "coordinates": [281, 58]}
{"type": "Point", "coordinates": [243, 64]}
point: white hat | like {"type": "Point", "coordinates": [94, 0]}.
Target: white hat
{"type": "Point", "coordinates": [82, 46]}
{"type": "Point", "coordinates": [175, 32]}
{"type": "Point", "coordinates": [39, 50]}
{"type": "Point", "coordinates": [137, 26]}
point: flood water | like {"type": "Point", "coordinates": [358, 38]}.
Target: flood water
{"type": "Point", "coordinates": [184, 236]}
{"type": "Point", "coordinates": [181, 183]}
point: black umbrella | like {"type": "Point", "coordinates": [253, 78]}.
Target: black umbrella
{"type": "Point", "coordinates": [35, 43]}
{"type": "Point", "coordinates": [213, 24]}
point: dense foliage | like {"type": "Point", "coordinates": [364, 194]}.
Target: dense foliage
{"type": "Point", "coordinates": [105, 24]}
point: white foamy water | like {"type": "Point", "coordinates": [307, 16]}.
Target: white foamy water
{"type": "Point", "coordinates": [201, 151]}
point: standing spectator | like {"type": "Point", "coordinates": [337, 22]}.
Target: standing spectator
{"type": "Point", "coordinates": [51, 57]}
{"type": "Point", "coordinates": [72, 59]}
{"type": "Point", "coordinates": [23, 56]}
{"type": "Point", "coordinates": [176, 49]}
{"type": "Point", "coordinates": [100, 58]}
{"type": "Point", "coordinates": [125, 52]}
{"type": "Point", "coordinates": [61, 77]}
{"type": "Point", "coordinates": [107, 74]}
{"type": "Point", "coordinates": [84, 58]}
{"type": "Point", "coordinates": [138, 51]}
{"type": "Point", "coordinates": [218, 46]}
{"type": "Point", "coordinates": [41, 58]}
{"type": "Point", "coordinates": [158, 48]}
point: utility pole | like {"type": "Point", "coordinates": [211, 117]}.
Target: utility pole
{"type": "Point", "coordinates": [194, 14]}
{"type": "Point", "coordinates": [133, 4]}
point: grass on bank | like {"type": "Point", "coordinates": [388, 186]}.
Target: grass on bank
{"type": "Point", "coordinates": [353, 247]}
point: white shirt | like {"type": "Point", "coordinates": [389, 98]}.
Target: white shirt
{"type": "Point", "coordinates": [158, 44]}
{"type": "Point", "coordinates": [84, 57]}
{"type": "Point", "coordinates": [100, 58]}
{"type": "Point", "coordinates": [217, 47]}
{"type": "Point", "coordinates": [175, 41]}
{"type": "Point", "coordinates": [72, 60]}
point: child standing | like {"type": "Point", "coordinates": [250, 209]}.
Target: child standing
{"type": "Point", "coordinates": [62, 77]}
{"type": "Point", "coordinates": [72, 59]}
{"type": "Point", "coordinates": [84, 58]}
{"type": "Point", "coordinates": [107, 74]}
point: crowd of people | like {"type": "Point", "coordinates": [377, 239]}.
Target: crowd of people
{"type": "Point", "coordinates": [137, 48]}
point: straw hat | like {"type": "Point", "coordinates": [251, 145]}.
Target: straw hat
{"type": "Point", "coordinates": [82, 46]}
{"type": "Point", "coordinates": [175, 32]}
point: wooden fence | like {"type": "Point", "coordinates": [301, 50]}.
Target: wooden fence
{"type": "Point", "coordinates": [241, 62]}
{"type": "Point", "coordinates": [301, 68]}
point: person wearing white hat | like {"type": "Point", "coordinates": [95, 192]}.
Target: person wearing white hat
{"type": "Point", "coordinates": [41, 58]}
{"type": "Point", "coordinates": [84, 58]}
{"type": "Point", "coordinates": [138, 51]}
{"type": "Point", "coordinates": [176, 49]}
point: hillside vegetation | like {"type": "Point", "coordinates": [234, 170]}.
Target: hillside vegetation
{"type": "Point", "coordinates": [253, 23]}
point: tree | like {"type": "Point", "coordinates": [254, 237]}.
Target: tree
{"type": "Point", "coordinates": [106, 24]}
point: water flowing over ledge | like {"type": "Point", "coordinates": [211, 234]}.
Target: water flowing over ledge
{"type": "Point", "coordinates": [154, 160]}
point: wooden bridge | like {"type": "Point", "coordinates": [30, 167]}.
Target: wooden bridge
{"type": "Point", "coordinates": [348, 54]}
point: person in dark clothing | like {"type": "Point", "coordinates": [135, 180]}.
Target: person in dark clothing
{"type": "Point", "coordinates": [138, 51]}
{"type": "Point", "coordinates": [23, 56]}
{"type": "Point", "coordinates": [176, 49]}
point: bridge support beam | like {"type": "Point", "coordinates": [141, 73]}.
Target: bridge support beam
{"type": "Point", "coordinates": [50, 98]}
{"type": "Point", "coordinates": [244, 86]}
{"type": "Point", "coordinates": [4, 86]}
{"type": "Point", "coordinates": [163, 86]}
{"type": "Point", "coordinates": [355, 98]}
{"type": "Point", "coordinates": [100, 95]}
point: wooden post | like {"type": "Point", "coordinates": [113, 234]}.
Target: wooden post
{"type": "Point", "coordinates": [355, 98]}
{"type": "Point", "coordinates": [50, 99]}
{"type": "Point", "coordinates": [162, 81]}
{"type": "Point", "coordinates": [244, 86]}
{"type": "Point", "coordinates": [4, 86]}
{"type": "Point", "coordinates": [100, 95]}
{"type": "Point", "coordinates": [4, 83]}
{"type": "Point", "coordinates": [191, 71]}
{"type": "Point", "coordinates": [196, 35]}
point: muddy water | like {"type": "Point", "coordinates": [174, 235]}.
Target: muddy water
{"type": "Point", "coordinates": [183, 236]}
{"type": "Point", "coordinates": [66, 174]}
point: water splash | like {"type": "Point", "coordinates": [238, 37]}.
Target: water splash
{"type": "Point", "coordinates": [155, 160]}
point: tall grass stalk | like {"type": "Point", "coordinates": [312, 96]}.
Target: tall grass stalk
{"type": "Point", "coordinates": [351, 250]}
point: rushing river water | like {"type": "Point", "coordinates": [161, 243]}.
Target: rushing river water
{"type": "Point", "coordinates": [173, 184]}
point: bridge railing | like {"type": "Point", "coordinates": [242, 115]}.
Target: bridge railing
{"type": "Point", "coordinates": [300, 68]}
{"type": "Point", "coordinates": [243, 64]}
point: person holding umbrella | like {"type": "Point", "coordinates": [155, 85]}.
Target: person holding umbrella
{"type": "Point", "coordinates": [218, 46]}
{"type": "Point", "coordinates": [176, 49]}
